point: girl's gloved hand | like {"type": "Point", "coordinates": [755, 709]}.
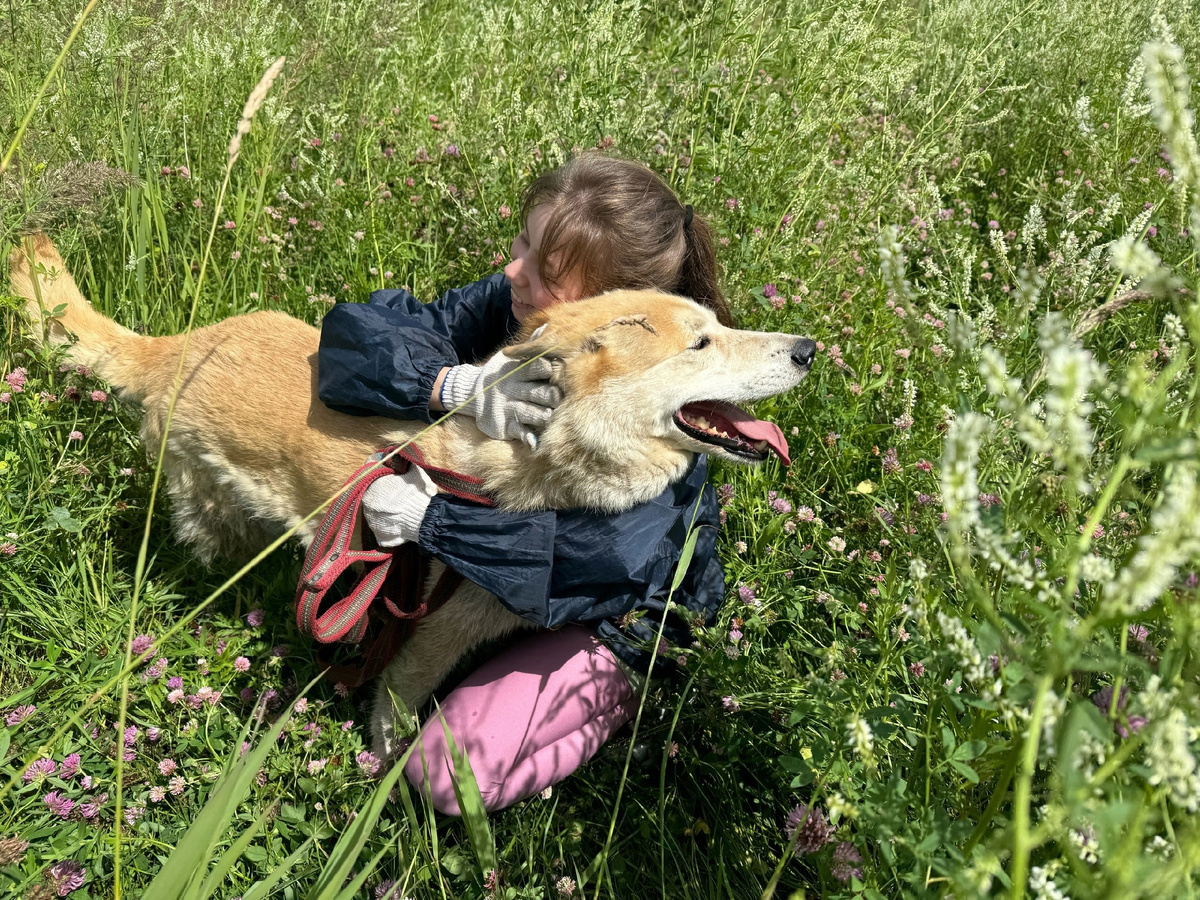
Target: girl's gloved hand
{"type": "Point", "coordinates": [513, 409]}
{"type": "Point", "coordinates": [394, 506]}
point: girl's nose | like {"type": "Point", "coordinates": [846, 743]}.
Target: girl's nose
{"type": "Point", "coordinates": [514, 270]}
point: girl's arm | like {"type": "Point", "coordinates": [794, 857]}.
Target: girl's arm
{"type": "Point", "coordinates": [383, 357]}
{"type": "Point", "coordinates": [577, 565]}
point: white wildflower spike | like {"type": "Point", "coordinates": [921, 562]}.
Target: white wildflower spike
{"type": "Point", "coordinates": [1071, 373]}
{"type": "Point", "coordinates": [960, 479]}
{"type": "Point", "coordinates": [1173, 332]}
{"type": "Point", "coordinates": [1172, 538]}
{"type": "Point", "coordinates": [893, 264]}
{"type": "Point", "coordinates": [1170, 88]}
{"type": "Point", "coordinates": [1133, 97]}
{"type": "Point", "coordinates": [1096, 569]}
{"type": "Point", "coordinates": [1052, 714]}
{"type": "Point", "coordinates": [1034, 228]}
{"type": "Point", "coordinates": [962, 645]}
{"type": "Point", "coordinates": [860, 739]}
{"type": "Point", "coordinates": [1171, 762]}
{"type": "Point", "coordinates": [1133, 259]}
{"type": "Point", "coordinates": [253, 103]}
{"type": "Point", "coordinates": [1041, 883]}
{"type": "Point", "coordinates": [1083, 115]}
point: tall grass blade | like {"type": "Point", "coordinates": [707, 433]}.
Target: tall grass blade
{"type": "Point", "coordinates": [470, 804]}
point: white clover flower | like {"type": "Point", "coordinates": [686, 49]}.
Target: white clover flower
{"type": "Point", "coordinates": [1160, 848]}
{"type": "Point", "coordinates": [1169, 86]}
{"type": "Point", "coordinates": [918, 570]}
{"type": "Point", "coordinates": [1083, 842]}
{"type": "Point", "coordinates": [996, 237]}
{"type": "Point", "coordinates": [1052, 713]}
{"type": "Point", "coordinates": [1173, 537]}
{"type": "Point", "coordinates": [1171, 762]}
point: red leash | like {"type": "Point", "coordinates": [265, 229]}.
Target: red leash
{"type": "Point", "coordinates": [397, 575]}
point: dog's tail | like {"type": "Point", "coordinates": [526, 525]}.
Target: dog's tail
{"type": "Point", "coordinates": [57, 309]}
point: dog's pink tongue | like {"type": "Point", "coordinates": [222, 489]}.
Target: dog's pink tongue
{"type": "Point", "coordinates": [750, 428]}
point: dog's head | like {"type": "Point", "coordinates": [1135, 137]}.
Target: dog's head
{"type": "Point", "coordinates": [644, 372]}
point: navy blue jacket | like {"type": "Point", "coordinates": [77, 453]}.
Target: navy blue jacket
{"type": "Point", "coordinates": [382, 358]}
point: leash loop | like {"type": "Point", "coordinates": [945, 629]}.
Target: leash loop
{"type": "Point", "coordinates": [397, 574]}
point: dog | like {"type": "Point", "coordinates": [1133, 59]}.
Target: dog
{"type": "Point", "coordinates": [648, 381]}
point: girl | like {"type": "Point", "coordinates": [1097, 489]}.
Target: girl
{"type": "Point", "coordinates": [533, 714]}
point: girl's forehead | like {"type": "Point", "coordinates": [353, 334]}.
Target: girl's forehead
{"type": "Point", "coordinates": [536, 222]}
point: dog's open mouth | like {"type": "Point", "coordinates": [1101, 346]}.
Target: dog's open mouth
{"type": "Point", "coordinates": [732, 429]}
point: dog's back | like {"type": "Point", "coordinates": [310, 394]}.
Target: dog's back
{"type": "Point", "coordinates": [251, 448]}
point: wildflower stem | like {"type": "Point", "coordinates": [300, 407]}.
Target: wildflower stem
{"type": "Point", "coordinates": [1021, 842]}
{"type": "Point", "coordinates": [998, 794]}
{"type": "Point", "coordinates": [684, 561]}
{"type": "Point", "coordinates": [62, 55]}
{"type": "Point", "coordinates": [1115, 478]}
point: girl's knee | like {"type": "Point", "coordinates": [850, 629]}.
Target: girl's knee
{"type": "Point", "coordinates": [430, 769]}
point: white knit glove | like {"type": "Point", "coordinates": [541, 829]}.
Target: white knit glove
{"type": "Point", "coordinates": [514, 409]}
{"type": "Point", "coordinates": [394, 506]}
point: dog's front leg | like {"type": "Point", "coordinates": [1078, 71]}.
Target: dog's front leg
{"type": "Point", "coordinates": [467, 619]}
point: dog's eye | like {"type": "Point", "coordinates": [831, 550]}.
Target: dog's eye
{"type": "Point", "coordinates": [700, 344]}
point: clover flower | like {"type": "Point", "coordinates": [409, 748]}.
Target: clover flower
{"type": "Point", "coordinates": [844, 858]}
{"type": "Point", "coordinates": [167, 767]}
{"type": "Point", "coordinates": [60, 805]}
{"type": "Point", "coordinates": [12, 850]}
{"type": "Point", "coordinates": [241, 664]}
{"type": "Point", "coordinates": [141, 644]}
{"type": "Point", "coordinates": [1171, 761]}
{"type": "Point", "coordinates": [565, 887]}
{"type": "Point", "coordinates": [38, 770]}
{"type": "Point", "coordinates": [69, 767]}
{"type": "Point", "coordinates": [809, 828]}
{"type": "Point", "coordinates": [859, 738]}
{"type": "Point", "coordinates": [16, 379]}
{"type": "Point", "coordinates": [19, 715]}
{"type": "Point", "coordinates": [368, 762]}
{"type": "Point", "coordinates": [66, 876]}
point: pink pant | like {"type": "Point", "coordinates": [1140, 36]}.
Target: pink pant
{"type": "Point", "coordinates": [525, 719]}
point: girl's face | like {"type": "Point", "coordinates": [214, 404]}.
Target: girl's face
{"type": "Point", "coordinates": [529, 292]}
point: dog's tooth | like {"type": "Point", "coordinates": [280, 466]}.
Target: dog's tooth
{"type": "Point", "coordinates": [702, 422]}
{"type": "Point", "coordinates": [760, 445]}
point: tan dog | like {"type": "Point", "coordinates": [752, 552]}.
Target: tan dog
{"type": "Point", "coordinates": [648, 380]}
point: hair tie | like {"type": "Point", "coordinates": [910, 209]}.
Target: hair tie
{"type": "Point", "coordinates": [687, 215]}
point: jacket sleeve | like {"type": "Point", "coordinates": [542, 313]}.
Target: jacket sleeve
{"type": "Point", "coordinates": [382, 357]}
{"type": "Point", "coordinates": [581, 566]}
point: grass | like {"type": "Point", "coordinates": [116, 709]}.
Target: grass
{"type": "Point", "coordinates": [938, 715]}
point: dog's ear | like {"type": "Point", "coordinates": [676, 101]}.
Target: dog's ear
{"type": "Point", "coordinates": [540, 342]}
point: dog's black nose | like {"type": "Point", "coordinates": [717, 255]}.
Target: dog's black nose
{"type": "Point", "coordinates": [803, 352]}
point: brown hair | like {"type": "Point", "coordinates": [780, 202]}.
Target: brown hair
{"type": "Point", "coordinates": [619, 225]}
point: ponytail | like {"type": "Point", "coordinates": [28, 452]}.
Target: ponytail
{"type": "Point", "coordinates": [698, 274]}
